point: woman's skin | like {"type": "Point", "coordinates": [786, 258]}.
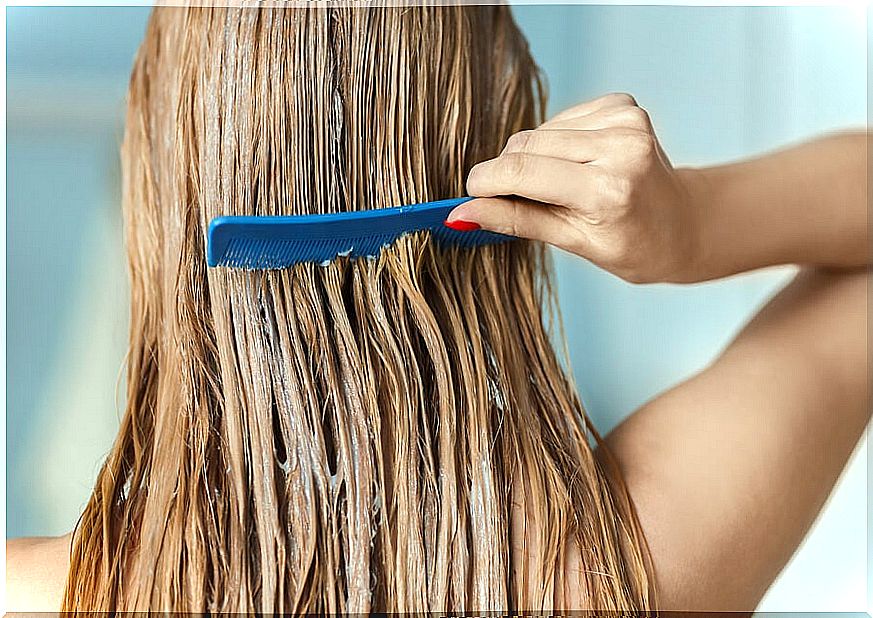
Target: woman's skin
{"type": "Point", "coordinates": [728, 469]}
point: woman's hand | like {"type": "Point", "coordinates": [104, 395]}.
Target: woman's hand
{"type": "Point", "coordinates": [593, 181]}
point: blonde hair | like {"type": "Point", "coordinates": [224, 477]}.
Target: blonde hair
{"type": "Point", "coordinates": [392, 434]}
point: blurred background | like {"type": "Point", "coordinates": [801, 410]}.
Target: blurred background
{"type": "Point", "coordinates": [720, 83]}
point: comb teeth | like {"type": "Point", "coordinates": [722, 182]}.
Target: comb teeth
{"type": "Point", "coordinates": [269, 243]}
{"type": "Point", "coordinates": [265, 254]}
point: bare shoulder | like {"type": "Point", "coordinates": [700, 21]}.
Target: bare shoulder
{"type": "Point", "coordinates": [36, 571]}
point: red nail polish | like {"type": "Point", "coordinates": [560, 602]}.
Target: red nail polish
{"type": "Point", "coordinates": [462, 226]}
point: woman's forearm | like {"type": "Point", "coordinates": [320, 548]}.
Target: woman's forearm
{"type": "Point", "coordinates": [803, 205]}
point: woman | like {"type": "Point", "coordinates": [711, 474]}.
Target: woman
{"type": "Point", "coordinates": [397, 435]}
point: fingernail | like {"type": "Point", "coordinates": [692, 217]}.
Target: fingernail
{"type": "Point", "coordinates": [462, 226]}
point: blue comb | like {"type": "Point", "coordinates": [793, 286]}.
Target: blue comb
{"type": "Point", "coordinates": [266, 243]}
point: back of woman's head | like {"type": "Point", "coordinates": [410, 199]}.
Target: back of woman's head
{"type": "Point", "coordinates": [389, 434]}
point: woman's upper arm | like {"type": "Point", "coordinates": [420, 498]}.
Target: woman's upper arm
{"type": "Point", "coordinates": [36, 571]}
{"type": "Point", "coordinates": [729, 469]}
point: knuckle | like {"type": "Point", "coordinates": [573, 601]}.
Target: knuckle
{"type": "Point", "coordinates": [636, 118]}
{"type": "Point", "coordinates": [513, 166]}
{"type": "Point", "coordinates": [513, 225]}
{"type": "Point", "coordinates": [519, 142]}
{"type": "Point", "coordinates": [622, 98]}
{"type": "Point", "coordinates": [643, 118]}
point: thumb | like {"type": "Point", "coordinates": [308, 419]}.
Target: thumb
{"type": "Point", "coordinates": [509, 215]}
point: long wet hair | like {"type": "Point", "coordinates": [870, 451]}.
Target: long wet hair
{"type": "Point", "coordinates": [392, 434]}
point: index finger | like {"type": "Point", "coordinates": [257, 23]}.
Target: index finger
{"type": "Point", "coordinates": [543, 179]}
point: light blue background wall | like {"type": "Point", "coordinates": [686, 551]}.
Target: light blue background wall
{"type": "Point", "coordinates": [720, 83]}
